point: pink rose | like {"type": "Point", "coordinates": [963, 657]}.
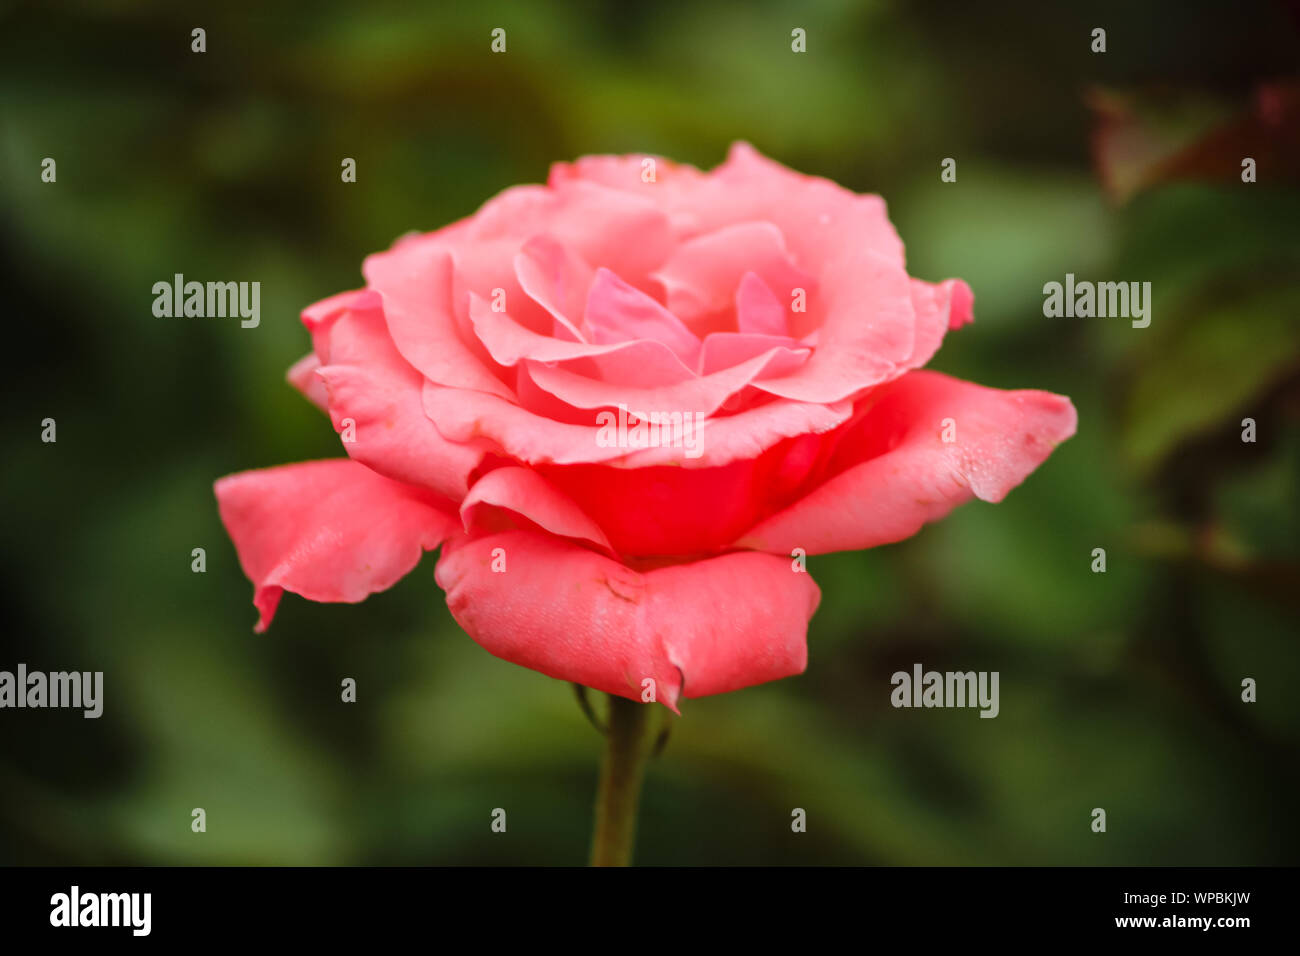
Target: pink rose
{"type": "Point", "coordinates": [487, 383]}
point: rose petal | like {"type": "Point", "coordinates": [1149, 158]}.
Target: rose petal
{"type": "Point", "coordinates": [556, 279]}
{"type": "Point", "coordinates": [465, 415]}
{"type": "Point", "coordinates": [745, 435]}
{"type": "Point", "coordinates": [616, 312]}
{"type": "Point", "coordinates": [320, 317]}
{"type": "Point", "coordinates": [702, 276]}
{"type": "Point", "coordinates": [758, 310]}
{"type": "Point", "coordinates": [897, 473]}
{"type": "Point", "coordinates": [867, 332]}
{"type": "Point", "coordinates": [939, 307]}
{"type": "Point", "coordinates": [724, 350]}
{"type": "Point", "coordinates": [326, 530]}
{"type": "Point", "coordinates": [302, 376]}
{"type": "Point", "coordinates": [672, 189]}
{"type": "Point", "coordinates": [819, 219]}
{"type": "Point", "coordinates": [623, 232]}
{"type": "Point", "coordinates": [415, 283]}
{"type": "Point", "coordinates": [696, 629]}
{"type": "Point", "coordinates": [525, 493]}
{"type": "Point", "coordinates": [670, 510]}
{"type": "Point", "coordinates": [637, 363]}
{"type": "Point", "coordinates": [703, 395]}
{"type": "Point", "coordinates": [522, 434]}
{"type": "Point", "coordinates": [369, 384]}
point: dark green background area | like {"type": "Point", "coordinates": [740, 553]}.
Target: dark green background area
{"type": "Point", "coordinates": [1118, 690]}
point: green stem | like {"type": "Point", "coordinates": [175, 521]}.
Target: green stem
{"type": "Point", "coordinates": [627, 747]}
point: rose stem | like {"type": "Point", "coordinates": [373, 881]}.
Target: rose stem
{"type": "Point", "coordinates": [627, 747]}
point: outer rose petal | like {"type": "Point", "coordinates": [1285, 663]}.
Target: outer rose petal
{"type": "Point", "coordinates": [327, 530]}
{"type": "Point", "coordinates": [939, 307]}
{"type": "Point", "coordinates": [901, 473]}
{"type": "Point", "coordinates": [673, 189]}
{"type": "Point", "coordinates": [625, 233]}
{"type": "Point", "coordinates": [368, 382]}
{"type": "Point", "coordinates": [302, 376]}
{"type": "Point", "coordinates": [818, 219]}
{"type": "Point", "coordinates": [415, 282]}
{"type": "Point", "coordinates": [703, 628]}
{"type": "Point", "coordinates": [319, 317]}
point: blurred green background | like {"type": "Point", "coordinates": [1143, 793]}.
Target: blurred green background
{"type": "Point", "coordinates": [1118, 690]}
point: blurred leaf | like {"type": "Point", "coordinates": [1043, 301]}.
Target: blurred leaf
{"type": "Point", "coordinates": [1213, 363]}
{"type": "Point", "coordinates": [1145, 139]}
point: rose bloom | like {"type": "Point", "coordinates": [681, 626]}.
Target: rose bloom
{"type": "Point", "coordinates": [475, 378]}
